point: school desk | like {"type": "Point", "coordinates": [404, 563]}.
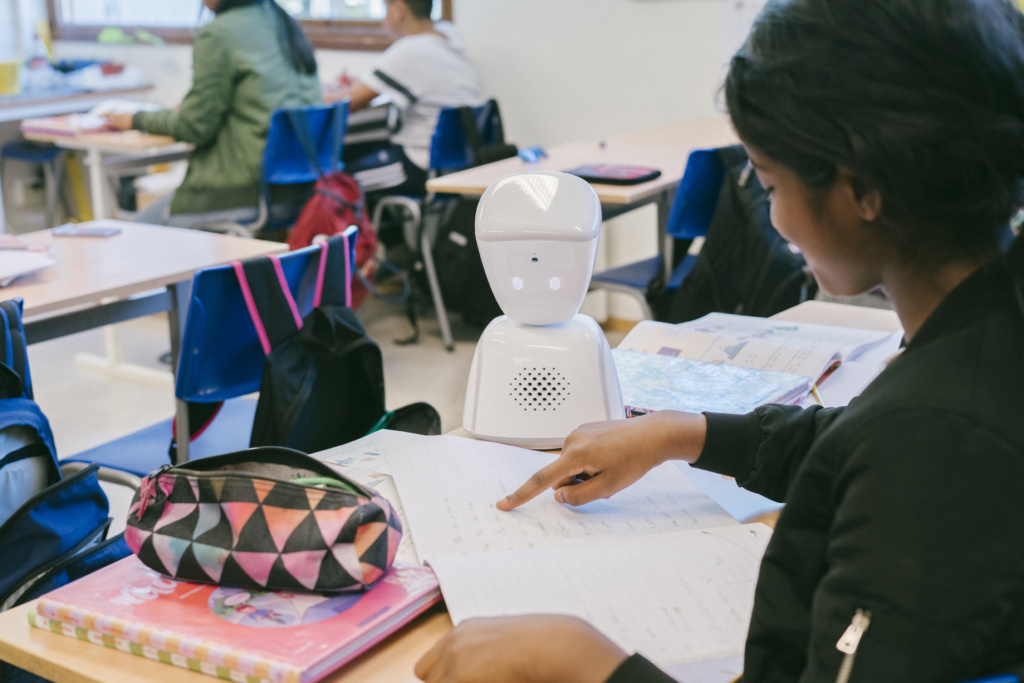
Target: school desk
{"type": "Point", "coordinates": [105, 152]}
{"type": "Point", "coordinates": [53, 102]}
{"type": "Point", "coordinates": [102, 280]}
{"type": "Point", "coordinates": [67, 660]}
{"type": "Point", "coordinates": [665, 148]}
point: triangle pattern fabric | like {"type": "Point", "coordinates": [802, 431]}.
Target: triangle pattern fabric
{"type": "Point", "coordinates": [174, 512]}
{"type": "Point", "coordinates": [209, 517]}
{"type": "Point", "coordinates": [238, 514]}
{"type": "Point", "coordinates": [282, 522]}
{"type": "Point", "coordinates": [170, 551]}
{"type": "Point", "coordinates": [304, 566]}
{"type": "Point", "coordinates": [227, 525]}
{"type": "Point", "coordinates": [331, 522]}
{"type": "Point", "coordinates": [211, 559]}
{"type": "Point", "coordinates": [256, 565]}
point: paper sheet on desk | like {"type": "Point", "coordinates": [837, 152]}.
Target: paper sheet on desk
{"type": "Point", "coordinates": [17, 262]}
{"type": "Point", "coordinates": [363, 460]}
{"type": "Point", "coordinates": [686, 597]}
{"type": "Point", "coordinates": [449, 486]}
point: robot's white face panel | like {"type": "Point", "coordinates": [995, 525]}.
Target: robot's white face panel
{"type": "Point", "coordinates": [538, 235]}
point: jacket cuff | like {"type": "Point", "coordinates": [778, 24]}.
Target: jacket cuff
{"type": "Point", "coordinates": [730, 444]}
{"type": "Point", "coordinates": [636, 669]}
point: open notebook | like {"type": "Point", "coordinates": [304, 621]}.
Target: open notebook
{"type": "Point", "coordinates": [659, 568]}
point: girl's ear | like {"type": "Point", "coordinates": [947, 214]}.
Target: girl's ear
{"type": "Point", "coordinates": [864, 195]}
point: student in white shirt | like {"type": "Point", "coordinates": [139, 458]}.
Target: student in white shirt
{"type": "Point", "coordinates": [424, 71]}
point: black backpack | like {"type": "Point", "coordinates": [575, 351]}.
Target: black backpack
{"type": "Point", "coordinates": [744, 267]}
{"type": "Point", "coordinates": [323, 382]}
{"type": "Point", "coordinates": [460, 272]}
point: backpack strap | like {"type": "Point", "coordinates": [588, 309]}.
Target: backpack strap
{"type": "Point", "coordinates": [470, 128]}
{"type": "Point", "coordinates": [14, 354]}
{"type": "Point", "coordinates": [271, 306]}
{"type": "Point", "coordinates": [305, 136]}
{"type": "Point", "coordinates": [334, 277]}
{"type": "Point", "coordinates": [339, 124]}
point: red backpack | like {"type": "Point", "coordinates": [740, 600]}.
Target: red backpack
{"type": "Point", "coordinates": [338, 202]}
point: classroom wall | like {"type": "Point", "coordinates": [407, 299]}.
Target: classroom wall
{"type": "Point", "coordinates": [563, 71]}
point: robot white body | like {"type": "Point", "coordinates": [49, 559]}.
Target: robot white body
{"type": "Point", "coordinates": [542, 369]}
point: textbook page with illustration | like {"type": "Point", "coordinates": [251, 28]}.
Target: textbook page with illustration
{"type": "Point", "coordinates": [659, 567]}
{"type": "Point", "coordinates": [759, 343]}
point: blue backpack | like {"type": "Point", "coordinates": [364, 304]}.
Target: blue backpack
{"type": "Point", "coordinates": [52, 530]}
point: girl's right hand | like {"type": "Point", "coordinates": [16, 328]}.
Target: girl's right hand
{"type": "Point", "coordinates": [611, 455]}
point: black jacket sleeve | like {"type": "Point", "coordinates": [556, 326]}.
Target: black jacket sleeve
{"type": "Point", "coordinates": [763, 450]}
{"type": "Point", "coordinates": [636, 669]}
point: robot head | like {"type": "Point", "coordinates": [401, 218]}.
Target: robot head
{"type": "Point", "coordinates": [538, 234]}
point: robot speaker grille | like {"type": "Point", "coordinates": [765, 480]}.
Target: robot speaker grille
{"type": "Point", "coordinates": [539, 389]}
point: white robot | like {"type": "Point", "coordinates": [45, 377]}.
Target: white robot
{"type": "Point", "coordinates": [542, 369]}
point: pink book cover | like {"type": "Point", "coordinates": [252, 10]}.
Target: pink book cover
{"type": "Point", "coordinates": [66, 124]}
{"type": "Point", "coordinates": [278, 636]}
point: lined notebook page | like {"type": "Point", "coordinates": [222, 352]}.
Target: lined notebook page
{"type": "Point", "coordinates": [449, 486]}
{"type": "Point", "coordinates": [675, 597]}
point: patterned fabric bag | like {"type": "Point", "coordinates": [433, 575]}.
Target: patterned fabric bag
{"type": "Point", "coordinates": [267, 518]}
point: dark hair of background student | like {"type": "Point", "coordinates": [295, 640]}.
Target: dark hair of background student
{"type": "Point", "coordinates": [941, 137]}
{"type": "Point", "coordinates": [293, 41]}
{"type": "Point", "coordinates": [420, 9]}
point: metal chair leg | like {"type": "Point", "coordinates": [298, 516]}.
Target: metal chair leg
{"type": "Point", "coordinates": [435, 291]}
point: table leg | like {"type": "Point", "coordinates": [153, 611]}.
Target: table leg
{"type": "Point", "coordinates": [94, 159]}
{"type": "Point", "coordinates": [176, 317]}
{"type": "Point", "coordinates": [3, 217]}
{"type": "Point", "coordinates": [666, 240]}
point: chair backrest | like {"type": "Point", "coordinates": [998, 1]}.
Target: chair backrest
{"type": "Point", "coordinates": [297, 136]}
{"type": "Point", "coordinates": [221, 354]}
{"type": "Point", "coordinates": [697, 195]}
{"type": "Point", "coordinates": [450, 148]}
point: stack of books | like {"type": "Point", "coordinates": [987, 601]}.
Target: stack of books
{"type": "Point", "coordinates": [233, 633]}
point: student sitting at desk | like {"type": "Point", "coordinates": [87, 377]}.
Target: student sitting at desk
{"type": "Point", "coordinates": [423, 72]}
{"type": "Point", "coordinates": [250, 60]}
{"type": "Point", "coordinates": [889, 135]}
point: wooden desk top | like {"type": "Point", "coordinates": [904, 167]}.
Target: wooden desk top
{"type": "Point", "coordinates": [111, 143]}
{"type": "Point", "coordinates": [142, 257]}
{"type": "Point", "coordinates": [665, 148]}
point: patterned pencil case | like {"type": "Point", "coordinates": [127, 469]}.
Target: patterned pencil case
{"type": "Point", "coordinates": [265, 518]}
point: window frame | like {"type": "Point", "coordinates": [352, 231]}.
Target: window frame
{"type": "Point", "coordinates": [329, 34]}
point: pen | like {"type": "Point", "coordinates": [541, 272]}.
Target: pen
{"type": "Point", "coordinates": [817, 395]}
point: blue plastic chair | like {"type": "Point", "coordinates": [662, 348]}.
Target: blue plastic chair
{"type": "Point", "coordinates": [302, 144]}
{"type": "Point", "coordinates": [221, 358]}
{"type": "Point", "coordinates": [50, 158]}
{"type": "Point", "coordinates": [450, 150]}
{"type": "Point", "coordinates": [689, 217]}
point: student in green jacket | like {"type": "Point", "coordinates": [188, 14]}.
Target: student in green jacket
{"type": "Point", "coordinates": [250, 60]}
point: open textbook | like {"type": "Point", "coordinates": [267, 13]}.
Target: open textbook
{"type": "Point", "coordinates": [659, 568]}
{"type": "Point", "coordinates": [758, 343]}
{"type": "Point", "coordinates": [654, 381]}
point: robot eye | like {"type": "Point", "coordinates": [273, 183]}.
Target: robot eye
{"type": "Point", "coordinates": [535, 259]}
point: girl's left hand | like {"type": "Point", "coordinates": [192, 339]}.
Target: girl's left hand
{"type": "Point", "coordinates": [535, 648]}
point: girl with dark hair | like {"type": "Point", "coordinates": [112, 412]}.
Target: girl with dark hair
{"type": "Point", "coordinates": [250, 60]}
{"type": "Point", "coordinates": [889, 135]}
